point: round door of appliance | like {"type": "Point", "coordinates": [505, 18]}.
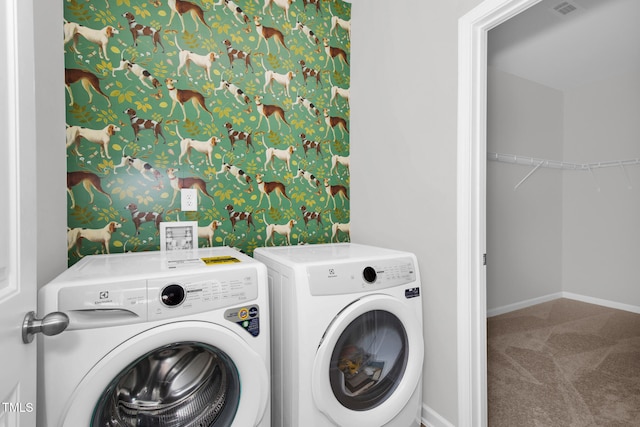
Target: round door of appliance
{"type": "Point", "coordinates": [369, 362]}
{"type": "Point", "coordinates": [182, 374]}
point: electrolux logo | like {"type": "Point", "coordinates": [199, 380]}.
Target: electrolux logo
{"type": "Point", "coordinates": [103, 298]}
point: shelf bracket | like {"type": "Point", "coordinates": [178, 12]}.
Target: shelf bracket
{"type": "Point", "coordinates": [528, 175]}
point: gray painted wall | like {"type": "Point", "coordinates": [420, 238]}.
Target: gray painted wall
{"type": "Point", "coordinates": [601, 229]}
{"type": "Point", "coordinates": [557, 232]}
{"type": "Point", "coordinates": [51, 247]}
{"type": "Point", "coordinates": [404, 80]}
{"type": "Point", "coordinates": [524, 226]}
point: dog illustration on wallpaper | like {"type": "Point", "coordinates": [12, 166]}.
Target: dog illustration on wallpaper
{"type": "Point", "coordinates": [267, 111]}
{"type": "Point", "coordinates": [300, 26]}
{"type": "Point", "coordinates": [140, 72]}
{"type": "Point", "coordinates": [272, 153]}
{"type": "Point", "coordinates": [140, 218]}
{"type": "Point", "coordinates": [178, 184]}
{"type": "Point", "coordinates": [204, 147]}
{"type": "Point", "coordinates": [181, 7]}
{"type": "Point", "coordinates": [139, 124]}
{"type": "Point", "coordinates": [337, 228]}
{"type": "Point", "coordinates": [283, 80]}
{"type": "Point", "coordinates": [235, 217]}
{"type": "Point", "coordinates": [308, 215]}
{"type": "Point", "coordinates": [338, 160]}
{"type": "Point", "coordinates": [239, 174]}
{"type": "Point", "coordinates": [332, 122]}
{"type": "Point", "coordinates": [281, 229]}
{"type": "Point", "coordinates": [333, 53]}
{"type": "Point", "coordinates": [139, 30]}
{"type": "Point", "coordinates": [207, 232]}
{"type": "Point", "coordinates": [266, 188]}
{"type": "Point", "coordinates": [238, 94]}
{"type": "Point", "coordinates": [186, 58]}
{"type": "Point", "coordinates": [89, 181]}
{"type": "Point", "coordinates": [282, 4]}
{"type": "Point", "coordinates": [100, 37]}
{"type": "Point", "coordinates": [141, 166]}
{"type": "Point", "coordinates": [236, 135]}
{"type": "Point", "coordinates": [88, 81]}
{"type": "Point", "coordinates": [101, 137]}
{"type": "Point", "coordinates": [315, 3]}
{"type": "Point", "coordinates": [309, 177]}
{"type": "Point", "coordinates": [337, 91]}
{"type": "Point", "coordinates": [308, 105]}
{"type": "Point", "coordinates": [309, 72]}
{"type": "Point", "coordinates": [337, 22]}
{"type": "Point", "coordinates": [266, 33]}
{"type": "Point", "coordinates": [237, 11]}
{"type": "Point", "coordinates": [308, 144]}
{"type": "Point", "coordinates": [333, 191]}
{"type": "Point", "coordinates": [182, 96]}
{"type": "Point", "coordinates": [233, 54]}
{"type": "Point", "coordinates": [96, 235]}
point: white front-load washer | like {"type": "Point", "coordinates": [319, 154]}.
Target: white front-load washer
{"type": "Point", "coordinates": [347, 341]}
{"type": "Point", "coordinates": [158, 339]}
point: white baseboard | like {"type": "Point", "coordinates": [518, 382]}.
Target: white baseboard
{"type": "Point", "coordinates": [539, 300]}
{"type": "Point", "coordinates": [602, 302]}
{"type": "Point", "coordinates": [431, 418]}
{"type": "Point", "coordinates": [522, 304]}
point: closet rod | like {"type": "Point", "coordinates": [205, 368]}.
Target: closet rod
{"type": "Point", "coordinates": [556, 164]}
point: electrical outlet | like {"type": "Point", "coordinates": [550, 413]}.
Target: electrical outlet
{"type": "Point", "coordinates": [189, 199]}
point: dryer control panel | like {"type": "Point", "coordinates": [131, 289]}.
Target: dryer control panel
{"type": "Point", "coordinates": [345, 278]}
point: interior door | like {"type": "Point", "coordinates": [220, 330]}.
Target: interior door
{"type": "Point", "coordinates": [18, 213]}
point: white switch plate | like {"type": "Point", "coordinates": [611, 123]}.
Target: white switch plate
{"type": "Point", "coordinates": [189, 199]}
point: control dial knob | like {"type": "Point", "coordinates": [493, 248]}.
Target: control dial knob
{"type": "Point", "coordinates": [172, 295]}
{"type": "Point", "coordinates": [369, 274]}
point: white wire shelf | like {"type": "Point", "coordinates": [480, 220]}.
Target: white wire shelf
{"type": "Point", "coordinates": [538, 163]}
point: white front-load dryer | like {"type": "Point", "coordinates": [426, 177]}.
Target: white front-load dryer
{"type": "Point", "coordinates": [158, 339]}
{"type": "Point", "coordinates": [347, 340]}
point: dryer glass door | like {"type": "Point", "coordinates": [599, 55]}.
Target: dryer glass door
{"type": "Point", "coordinates": [368, 360]}
{"type": "Point", "coordinates": [178, 385]}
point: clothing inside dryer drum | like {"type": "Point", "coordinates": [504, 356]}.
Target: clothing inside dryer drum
{"type": "Point", "coordinates": [185, 384]}
{"type": "Point", "coordinates": [369, 360]}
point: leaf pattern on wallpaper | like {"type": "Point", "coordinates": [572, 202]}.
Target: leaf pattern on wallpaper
{"type": "Point", "coordinates": [205, 113]}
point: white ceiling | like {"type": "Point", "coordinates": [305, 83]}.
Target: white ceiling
{"type": "Point", "coordinates": [599, 40]}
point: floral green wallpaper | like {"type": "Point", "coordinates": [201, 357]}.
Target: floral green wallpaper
{"type": "Point", "coordinates": [245, 101]}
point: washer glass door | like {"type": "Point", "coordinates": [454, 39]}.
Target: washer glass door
{"type": "Point", "coordinates": [184, 373]}
{"type": "Point", "coordinates": [178, 385]}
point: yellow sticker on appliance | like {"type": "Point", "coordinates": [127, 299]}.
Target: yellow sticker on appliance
{"type": "Point", "coordinates": [215, 260]}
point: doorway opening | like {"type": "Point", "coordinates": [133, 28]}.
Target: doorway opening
{"type": "Point", "coordinates": [472, 184]}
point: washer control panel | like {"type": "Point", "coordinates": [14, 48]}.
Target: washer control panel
{"type": "Point", "coordinates": [195, 294]}
{"type": "Point", "coordinates": [345, 278]}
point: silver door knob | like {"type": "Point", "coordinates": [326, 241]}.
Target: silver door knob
{"type": "Point", "coordinates": [51, 324]}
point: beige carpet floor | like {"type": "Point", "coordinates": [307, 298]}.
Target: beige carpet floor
{"type": "Point", "coordinates": [564, 363]}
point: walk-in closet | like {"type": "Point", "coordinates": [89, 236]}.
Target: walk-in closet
{"type": "Point", "coordinates": [563, 215]}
